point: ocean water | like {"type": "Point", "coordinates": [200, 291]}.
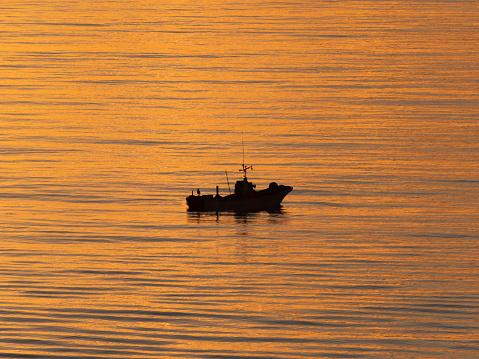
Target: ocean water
{"type": "Point", "coordinates": [112, 112]}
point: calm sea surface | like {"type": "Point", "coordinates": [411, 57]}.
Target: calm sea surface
{"type": "Point", "coordinates": [111, 112]}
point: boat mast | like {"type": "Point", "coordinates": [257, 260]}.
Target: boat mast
{"type": "Point", "coordinates": [227, 179]}
{"type": "Point", "coordinates": [245, 168]}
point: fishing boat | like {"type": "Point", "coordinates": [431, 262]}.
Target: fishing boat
{"type": "Point", "coordinates": [244, 199]}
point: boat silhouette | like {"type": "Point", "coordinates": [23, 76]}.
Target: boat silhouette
{"type": "Point", "coordinates": [244, 199]}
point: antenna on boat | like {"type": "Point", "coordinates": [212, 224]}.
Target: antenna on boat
{"type": "Point", "coordinates": [242, 144]}
{"type": "Point", "coordinates": [245, 168]}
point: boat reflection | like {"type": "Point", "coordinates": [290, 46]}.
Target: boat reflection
{"type": "Point", "coordinates": [273, 215]}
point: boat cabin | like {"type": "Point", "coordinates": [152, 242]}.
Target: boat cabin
{"type": "Point", "coordinates": [243, 188]}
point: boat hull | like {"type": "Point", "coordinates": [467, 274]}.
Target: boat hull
{"type": "Point", "coordinates": [257, 201]}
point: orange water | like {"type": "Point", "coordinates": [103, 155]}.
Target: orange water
{"type": "Point", "coordinates": [111, 112]}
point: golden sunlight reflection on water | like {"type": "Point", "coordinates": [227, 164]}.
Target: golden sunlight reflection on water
{"type": "Point", "coordinates": [112, 112]}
